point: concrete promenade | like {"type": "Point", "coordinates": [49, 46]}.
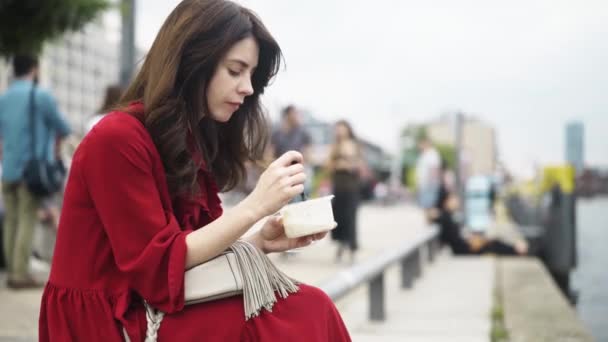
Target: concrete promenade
{"type": "Point", "coordinates": [450, 302]}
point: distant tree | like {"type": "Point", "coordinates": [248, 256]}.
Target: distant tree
{"type": "Point", "coordinates": [415, 133]}
{"type": "Point", "coordinates": [25, 25]}
{"type": "Point", "coordinates": [448, 154]}
{"type": "Point", "coordinates": [410, 136]}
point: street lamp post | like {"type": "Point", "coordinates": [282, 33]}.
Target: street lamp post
{"type": "Point", "coordinates": [458, 121]}
{"type": "Point", "coordinates": [127, 51]}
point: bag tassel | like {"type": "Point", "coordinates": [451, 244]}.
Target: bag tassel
{"type": "Point", "coordinates": [260, 278]}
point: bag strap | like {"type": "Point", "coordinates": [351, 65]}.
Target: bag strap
{"type": "Point", "coordinates": [153, 318]}
{"type": "Point", "coordinates": [32, 111]}
{"type": "Point", "coordinates": [32, 114]}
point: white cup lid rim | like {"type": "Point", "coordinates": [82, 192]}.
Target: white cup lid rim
{"type": "Point", "coordinates": [308, 201]}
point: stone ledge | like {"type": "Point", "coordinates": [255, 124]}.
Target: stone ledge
{"type": "Point", "coordinates": [534, 308]}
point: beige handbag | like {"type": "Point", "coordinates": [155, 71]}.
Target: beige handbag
{"type": "Point", "coordinates": [215, 279]}
{"type": "Point", "coordinates": [243, 269]}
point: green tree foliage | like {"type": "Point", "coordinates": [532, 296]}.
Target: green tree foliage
{"type": "Point", "coordinates": [448, 154]}
{"type": "Point", "coordinates": [25, 25]}
{"type": "Point", "coordinates": [410, 153]}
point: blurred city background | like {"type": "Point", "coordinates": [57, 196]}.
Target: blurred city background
{"type": "Point", "coordinates": [510, 95]}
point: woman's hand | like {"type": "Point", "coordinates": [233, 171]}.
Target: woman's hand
{"type": "Point", "coordinates": [271, 237]}
{"type": "Point", "coordinates": [279, 183]}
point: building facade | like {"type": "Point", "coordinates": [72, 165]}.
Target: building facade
{"type": "Point", "coordinates": [575, 145]}
{"type": "Point", "coordinates": [479, 148]}
{"type": "Point", "coordinates": [77, 68]}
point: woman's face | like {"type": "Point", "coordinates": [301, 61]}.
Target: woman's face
{"type": "Point", "coordinates": [341, 132]}
{"type": "Point", "coordinates": [231, 81]}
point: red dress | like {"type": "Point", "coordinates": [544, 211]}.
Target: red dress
{"type": "Point", "coordinates": [121, 238]}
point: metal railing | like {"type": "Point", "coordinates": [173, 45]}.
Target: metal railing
{"type": "Point", "coordinates": [409, 254]}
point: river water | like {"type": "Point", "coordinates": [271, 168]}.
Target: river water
{"type": "Point", "coordinates": [591, 275]}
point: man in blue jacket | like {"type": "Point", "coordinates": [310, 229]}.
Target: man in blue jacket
{"type": "Point", "coordinates": [16, 135]}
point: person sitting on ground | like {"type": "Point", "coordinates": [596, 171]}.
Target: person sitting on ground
{"type": "Point", "coordinates": [451, 233]}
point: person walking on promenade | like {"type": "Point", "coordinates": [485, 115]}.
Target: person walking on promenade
{"type": "Point", "coordinates": [344, 165]}
{"type": "Point", "coordinates": [25, 109]}
{"type": "Point", "coordinates": [291, 136]}
{"type": "Point", "coordinates": [141, 205]}
{"type": "Point", "coordinates": [427, 174]}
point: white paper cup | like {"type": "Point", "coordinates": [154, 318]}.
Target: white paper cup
{"type": "Point", "coordinates": [308, 217]}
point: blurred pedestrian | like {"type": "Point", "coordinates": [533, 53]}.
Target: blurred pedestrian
{"type": "Point", "coordinates": [147, 177]}
{"type": "Point", "coordinates": [427, 174]}
{"type": "Point", "coordinates": [291, 135]}
{"type": "Point", "coordinates": [22, 101]}
{"type": "Point", "coordinates": [450, 234]}
{"type": "Point", "coordinates": [344, 165]}
{"type": "Point", "coordinates": [111, 99]}
{"type": "Point", "coordinates": [2, 253]}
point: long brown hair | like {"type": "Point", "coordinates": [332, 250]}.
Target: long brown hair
{"type": "Point", "coordinates": [349, 129]}
{"type": "Point", "coordinates": [351, 136]}
{"type": "Point", "coordinates": [175, 74]}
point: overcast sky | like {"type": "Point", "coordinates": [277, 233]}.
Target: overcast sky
{"type": "Point", "coordinates": [527, 67]}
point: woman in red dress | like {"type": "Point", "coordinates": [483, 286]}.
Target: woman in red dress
{"type": "Point", "coordinates": [141, 204]}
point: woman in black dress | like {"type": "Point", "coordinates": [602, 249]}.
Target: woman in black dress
{"type": "Point", "coordinates": [344, 164]}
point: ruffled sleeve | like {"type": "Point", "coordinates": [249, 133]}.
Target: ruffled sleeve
{"type": "Point", "coordinates": [202, 208]}
{"type": "Point", "coordinates": [197, 211]}
{"type": "Point", "coordinates": [120, 169]}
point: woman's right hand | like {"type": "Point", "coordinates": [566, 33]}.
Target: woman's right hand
{"type": "Point", "coordinates": [279, 183]}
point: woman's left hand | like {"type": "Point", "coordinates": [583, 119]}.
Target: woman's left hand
{"type": "Point", "coordinates": [271, 237]}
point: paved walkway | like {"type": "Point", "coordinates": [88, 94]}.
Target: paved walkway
{"type": "Point", "coordinates": [451, 303]}
{"type": "Point", "coordinates": [452, 298]}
